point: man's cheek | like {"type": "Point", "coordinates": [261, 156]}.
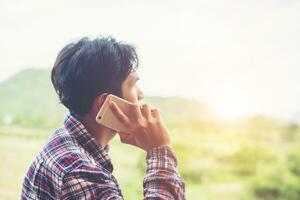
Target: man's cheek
{"type": "Point", "coordinates": [130, 95]}
{"type": "Point", "coordinates": [133, 96]}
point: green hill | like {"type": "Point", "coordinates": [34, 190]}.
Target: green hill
{"type": "Point", "coordinates": [28, 99]}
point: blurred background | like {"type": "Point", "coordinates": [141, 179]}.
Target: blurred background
{"type": "Point", "coordinates": [225, 74]}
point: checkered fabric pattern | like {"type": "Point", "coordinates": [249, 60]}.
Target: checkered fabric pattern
{"type": "Point", "coordinates": [71, 165]}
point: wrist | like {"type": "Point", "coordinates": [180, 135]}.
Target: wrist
{"type": "Point", "coordinates": [161, 157]}
{"type": "Point", "coordinates": [159, 146]}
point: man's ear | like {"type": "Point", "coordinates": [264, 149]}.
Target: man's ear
{"type": "Point", "coordinates": [98, 102]}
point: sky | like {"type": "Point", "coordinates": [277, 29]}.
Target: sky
{"type": "Point", "coordinates": [242, 57]}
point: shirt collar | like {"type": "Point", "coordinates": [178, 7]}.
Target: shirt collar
{"type": "Point", "coordinates": [88, 142]}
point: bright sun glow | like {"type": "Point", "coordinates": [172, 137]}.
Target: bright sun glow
{"type": "Point", "coordinates": [229, 108]}
{"type": "Point", "coordinates": [228, 111]}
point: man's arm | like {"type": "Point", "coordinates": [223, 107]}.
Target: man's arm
{"type": "Point", "coordinates": [162, 180]}
{"type": "Point", "coordinates": [89, 183]}
{"type": "Point", "coordinates": [148, 132]}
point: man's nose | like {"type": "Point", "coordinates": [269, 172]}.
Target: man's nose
{"type": "Point", "coordinates": [140, 96]}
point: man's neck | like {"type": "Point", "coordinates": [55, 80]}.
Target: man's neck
{"type": "Point", "coordinates": [101, 133]}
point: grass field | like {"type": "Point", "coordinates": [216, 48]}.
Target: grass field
{"type": "Point", "coordinates": [217, 161]}
{"type": "Point", "coordinates": [18, 147]}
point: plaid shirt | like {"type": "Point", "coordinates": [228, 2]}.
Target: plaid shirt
{"type": "Point", "coordinates": [72, 165]}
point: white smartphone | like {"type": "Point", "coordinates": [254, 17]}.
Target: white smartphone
{"type": "Point", "coordinates": [107, 118]}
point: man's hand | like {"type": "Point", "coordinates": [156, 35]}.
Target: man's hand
{"type": "Point", "coordinates": [147, 129]}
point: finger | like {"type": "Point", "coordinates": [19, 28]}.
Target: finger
{"type": "Point", "coordinates": [136, 111]}
{"type": "Point", "coordinates": [155, 113]}
{"type": "Point", "coordinates": [119, 114]}
{"type": "Point", "coordinates": [122, 134]}
{"type": "Point", "coordinates": [146, 111]}
{"type": "Point", "coordinates": [123, 137]}
{"type": "Point", "coordinates": [127, 139]}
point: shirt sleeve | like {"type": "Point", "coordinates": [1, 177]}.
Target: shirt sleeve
{"type": "Point", "coordinates": [162, 180]}
{"type": "Point", "coordinates": [90, 183]}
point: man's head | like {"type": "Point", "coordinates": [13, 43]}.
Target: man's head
{"type": "Point", "coordinates": [86, 70]}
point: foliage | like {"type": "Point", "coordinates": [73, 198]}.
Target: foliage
{"type": "Point", "coordinates": [279, 182]}
{"type": "Point", "coordinates": [246, 160]}
{"type": "Point", "coordinates": [254, 158]}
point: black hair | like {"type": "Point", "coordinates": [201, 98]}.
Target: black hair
{"type": "Point", "coordinates": [89, 67]}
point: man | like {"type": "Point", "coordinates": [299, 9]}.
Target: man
{"type": "Point", "coordinates": [74, 163]}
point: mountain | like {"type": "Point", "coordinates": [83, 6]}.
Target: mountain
{"type": "Point", "coordinates": [28, 98]}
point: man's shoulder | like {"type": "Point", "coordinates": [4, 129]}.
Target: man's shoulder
{"type": "Point", "coordinates": [62, 153]}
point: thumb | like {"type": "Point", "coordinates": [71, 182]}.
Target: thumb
{"type": "Point", "coordinates": [127, 138]}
